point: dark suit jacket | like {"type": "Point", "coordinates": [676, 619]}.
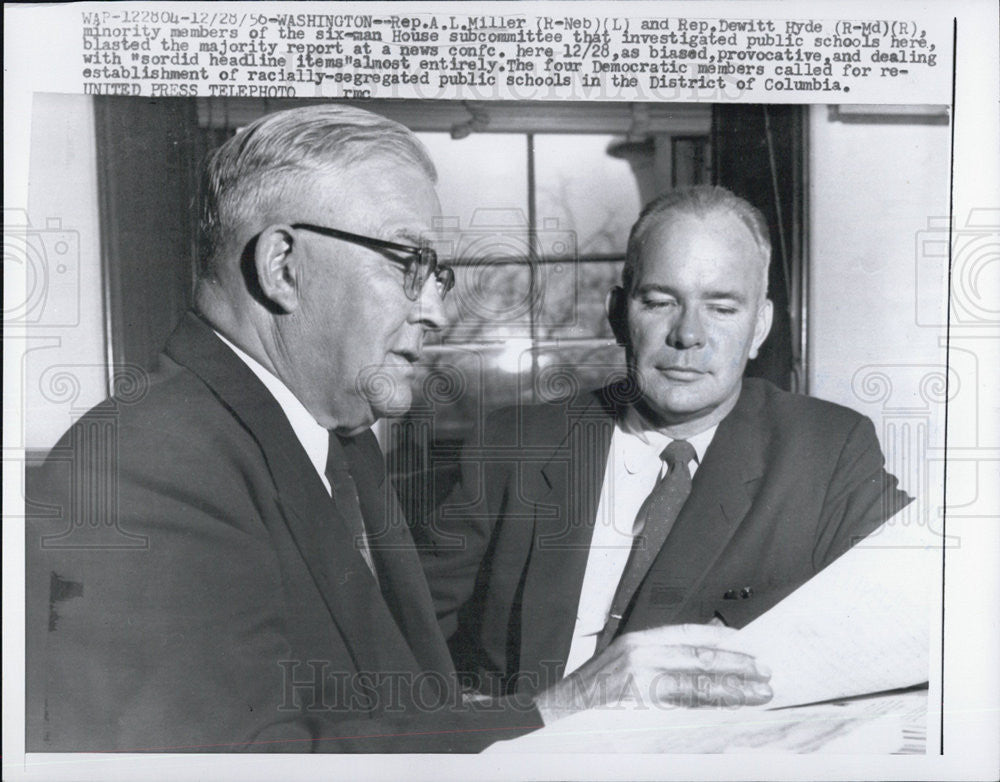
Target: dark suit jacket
{"type": "Point", "coordinates": [191, 586]}
{"type": "Point", "coordinates": [787, 484]}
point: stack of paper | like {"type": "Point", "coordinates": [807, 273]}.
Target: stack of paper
{"type": "Point", "coordinates": [891, 724]}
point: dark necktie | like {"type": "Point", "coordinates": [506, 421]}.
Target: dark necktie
{"type": "Point", "coordinates": [652, 525]}
{"type": "Point", "coordinates": [345, 497]}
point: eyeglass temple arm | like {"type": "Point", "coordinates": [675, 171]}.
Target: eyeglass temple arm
{"type": "Point", "coordinates": [364, 240]}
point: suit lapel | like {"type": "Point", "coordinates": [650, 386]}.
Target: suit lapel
{"type": "Point", "coordinates": [721, 496]}
{"type": "Point", "coordinates": [404, 586]}
{"type": "Point", "coordinates": [568, 488]}
{"type": "Point", "coordinates": [324, 542]}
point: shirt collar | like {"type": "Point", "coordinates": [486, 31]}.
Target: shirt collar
{"type": "Point", "coordinates": [642, 444]}
{"type": "Point", "coordinates": [313, 437]}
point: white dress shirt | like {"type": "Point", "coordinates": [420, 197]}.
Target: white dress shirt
{"type": "Point", "coordinates": [314, 438]}
{"type": "Point", "coordinates": [634, 466]}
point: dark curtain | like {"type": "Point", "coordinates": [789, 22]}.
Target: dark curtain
{"type": "Point", "coordinates": [147, 153]}
{"type": "Point", "coordinates": [758, 153]}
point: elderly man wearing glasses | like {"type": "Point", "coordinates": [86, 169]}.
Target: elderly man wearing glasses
{"type": "Point", "coordinates": [275, 605]}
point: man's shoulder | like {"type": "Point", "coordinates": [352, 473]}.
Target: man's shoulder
{"type": "Point", "coordinates": [761, 398]}
{"type": "Point", "coordinates": [164, 415]}
{"type": "Point", "coordinates": [171, 394]}
{"type": "Point", "coordinates": [169, 447]}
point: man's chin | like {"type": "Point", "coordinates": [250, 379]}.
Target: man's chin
{"type": "Point", "coordinates": [395, 407]}
{"type": "Point", "coordinates": [673, 405]}
{"type": "Point", "coordinates": [685, 407]}
{"type": "Point", "coordinates": [686, 395]}
{"type": "Point", "coordinates": [387, 391]}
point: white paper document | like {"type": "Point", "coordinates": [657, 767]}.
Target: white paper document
{"type": "Point", "coordinates": [858, 627]}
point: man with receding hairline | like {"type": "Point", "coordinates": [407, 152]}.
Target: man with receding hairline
{"type": "Point", "coordinates": [278, 603]}
{"type": "Point", "coordinates": [685, 495]}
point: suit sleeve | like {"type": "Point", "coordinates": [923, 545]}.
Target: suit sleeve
{"type": "Point", "coordinates": [861, 496]}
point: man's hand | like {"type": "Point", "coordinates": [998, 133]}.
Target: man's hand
{"type": "Point", "coordinates": [679, 665]}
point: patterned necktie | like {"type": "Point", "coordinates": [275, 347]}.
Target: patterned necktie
{"type": "Point", "coordinates": [345, 497]}
{"type": "Point", "coordinates": [652, 525]}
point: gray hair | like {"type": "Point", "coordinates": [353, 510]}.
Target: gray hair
{"type": "Point", "coordinates": [698, 201]}
{"type": "Point", "coordinates": [245, 176]}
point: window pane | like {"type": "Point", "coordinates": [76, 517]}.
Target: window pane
{"type": "Point", "coordinates": [494, 301]}
{"type": "Point", "coordinates": [581, 188]}
{"type": "Point", "coordinates": [482, 184]}
{"type": "Point", "coordinates": [490, 301]}
{"type": "Point", "coordinates": [483, 187]}
{"type": "Point", "coordinates": [486, 359]}
{"type": "Point", "coordinates": [571, 302]}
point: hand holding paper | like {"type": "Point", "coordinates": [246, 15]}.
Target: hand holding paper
{"type": "Point", "coordinates": [680, 665]}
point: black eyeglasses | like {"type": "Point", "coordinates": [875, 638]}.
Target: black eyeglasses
{"type": "Point", "coordinates": [421, 264]}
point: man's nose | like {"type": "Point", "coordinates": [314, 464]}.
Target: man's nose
{"type": "Point", "coordinates": [687, 330]}
{"type": "Point", "coordinates": [428, 309]}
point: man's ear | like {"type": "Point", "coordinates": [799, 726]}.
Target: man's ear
{"type": "Point", "coordinates": [276, 263]}
{"type": "Point", "coordinates": [616, 305]}
{"type": "Point", "coordinates": [765, 314]}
